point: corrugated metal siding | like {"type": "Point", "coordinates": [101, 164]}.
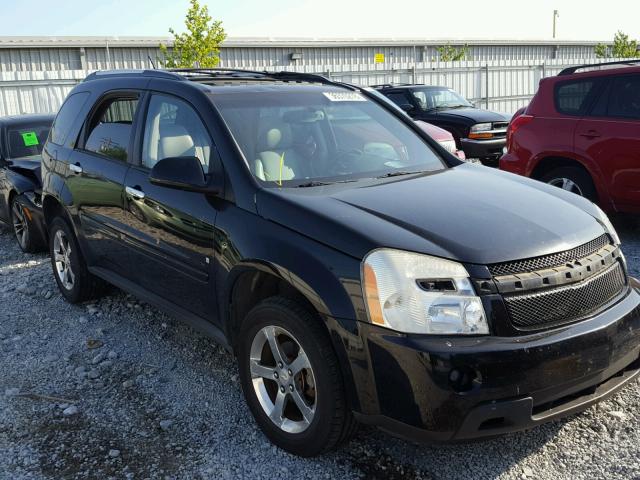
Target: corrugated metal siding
{"type": "Point", "coordinates": [503, 85]}
{"type": "Point", "coordinates": [45, 59]}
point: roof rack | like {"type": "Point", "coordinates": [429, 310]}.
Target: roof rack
{"type": "Point", "coordinates": [199, 74]}
{"type": "Point", "coordinates": [572, 70]}
{"type": "Point", "coordinates": [132, 72]}
{"type": "Point", "coordinates": [205, 74]}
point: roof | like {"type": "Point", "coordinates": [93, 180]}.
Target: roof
{"type": "Point", "coordinates": [257, 42]}
{"type": "Point", "coordinates": [27, 119]}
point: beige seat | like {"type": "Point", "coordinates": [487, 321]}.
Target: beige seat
{"type": "Point", "coordinates": [277, 160]}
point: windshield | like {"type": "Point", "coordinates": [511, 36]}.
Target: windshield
{"type": "Point", "coordinates": [27, 140]}
{"type": "Point", "coordinates": [309, 136]}
{"type": "Point", "coordinates": [434, 98]}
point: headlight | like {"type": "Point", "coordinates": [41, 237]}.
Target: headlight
{"type": "Point", "coordinates": [414, 293]}
{"type": "Point", "coordinates": [481, 131]}
{"type": "Point", "coordinates": [480, 127]}
{"type": "Point", "coordinates": [606, 223]}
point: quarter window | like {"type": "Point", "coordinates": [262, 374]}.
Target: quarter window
{"type": "Point", "coordinates": [173, 129]}
{"type": "Point", "coordinates": [571, 98]}
{"type": "Point", "coordinates": [111, 127]}
{"type": "Point", "coordinates": [624, 100]}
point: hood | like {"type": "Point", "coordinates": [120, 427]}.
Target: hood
{"type": "Point", "coordinates": [469, 213]}
{"type": "Point", "coordinates": [477, 115]}
{"type": "Point", "coordinates": [28, 166]}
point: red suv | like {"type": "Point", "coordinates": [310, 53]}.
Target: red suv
{"type": "Point", "coordinates": [581, 132]}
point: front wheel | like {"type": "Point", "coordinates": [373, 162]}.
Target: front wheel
{"type": "Point", "coordinates": [291, 378]}
{"type": "Point", "coordinates": [572, 179]}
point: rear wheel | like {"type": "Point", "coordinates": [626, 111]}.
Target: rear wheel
{"type": "Point", "coordinates": [23, 227]}
{"type": "Point", "coordinates": [572, 179]}
{"type": "Point", "coordinates": [69, 267]}
{"type": "Point", "coordinates": [291, 378]}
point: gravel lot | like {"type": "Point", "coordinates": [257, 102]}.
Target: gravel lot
{"type": "Point", "coordinates": [116, 389]}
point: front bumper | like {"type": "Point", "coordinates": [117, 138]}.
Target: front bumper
{"type": "Point", "coordinates": [491, 148]}
{"type": "Point", "coordinates": [446, 389]}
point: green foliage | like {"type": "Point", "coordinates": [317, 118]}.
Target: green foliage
{"type": "Point", "coordinates": [449, 53]}
{"type": "Point", "coordinates": [199, 46]}
{"type": "Point", "coordinates": [622, 47]}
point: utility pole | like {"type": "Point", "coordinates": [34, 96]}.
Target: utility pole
{"type": "Point", "coordinates": [556, 15]}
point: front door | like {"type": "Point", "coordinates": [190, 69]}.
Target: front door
{"type": "Point", "coordinates": [170, 231]}
{"type": "Point", "coordinates": [610, 136]}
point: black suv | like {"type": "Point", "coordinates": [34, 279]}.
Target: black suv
{"type": "Point", "coordinates": [356, 269]}
{"type": "Point", "coordinates": [479, 133]}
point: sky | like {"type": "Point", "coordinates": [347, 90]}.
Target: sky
{"type": "Point", "coordinates": [428, 19]}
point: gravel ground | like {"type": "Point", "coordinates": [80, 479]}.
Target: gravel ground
{"type": "Point", "coordinates": [116, 389]}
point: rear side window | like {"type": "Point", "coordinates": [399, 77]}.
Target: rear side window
{"type": "Point", "coordinates": [572, 97]}
{"type": "Point", "coordinates": [110, 129]}
{"type": "Point", "coordinates": [624, 100]}
{"type": "Point", "coordinates": [67, 115]}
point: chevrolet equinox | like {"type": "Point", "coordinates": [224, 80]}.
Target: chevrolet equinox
{"type": "Point", "coordinates": [358, 271]}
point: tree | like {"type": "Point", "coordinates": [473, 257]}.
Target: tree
{"type": "Point", "coordinates": [449, 53]}
{"type": "Point", "coordinates": [199, 46]}
{"type": "Point", "coordinates": [622, 47]}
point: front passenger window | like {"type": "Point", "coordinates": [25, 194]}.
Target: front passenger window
{"type": "Point", "coordinates": [173, 129]}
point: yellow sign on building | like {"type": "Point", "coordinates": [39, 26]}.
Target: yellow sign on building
{"type": "Point", "coordinates": [378, 58]}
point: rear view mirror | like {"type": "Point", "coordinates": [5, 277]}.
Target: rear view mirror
{"type": "Point", "coordinates": [182, 173]}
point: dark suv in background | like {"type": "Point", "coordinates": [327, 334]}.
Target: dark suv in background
{"type": "Point", "coordinates": [581, 132]}
{"type": "Point", "coordinates": [21, 140]}
{"type": "Point", "coordinates": [357, 270]}
{"type": "Point", "coordinates": [479, 133]}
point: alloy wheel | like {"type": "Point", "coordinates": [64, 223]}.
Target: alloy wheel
{"type": "Point", "coordinates": [62, 258]}
{"type": "Point", "coordinates": [283, 379]}
{"type": "Point", "coordinates": [20, 226]}
{"type": "Point", "coordinates": [566, 184]}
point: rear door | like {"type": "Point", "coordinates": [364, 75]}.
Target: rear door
{"type": "Point", "coordinates": [170, 231]}
{"type": "Point", "coordinates": [97, 171]}
{"type": "Point", "coordinates": [610, 135]}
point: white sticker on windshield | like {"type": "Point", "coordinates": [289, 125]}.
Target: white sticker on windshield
{"type": "Point", "coordinates": [344, 96]}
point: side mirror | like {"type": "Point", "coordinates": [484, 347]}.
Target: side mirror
{"type": "Point", "coordinates": [181, 173]}
{"type": "Point", "coordinates": [407, 107]}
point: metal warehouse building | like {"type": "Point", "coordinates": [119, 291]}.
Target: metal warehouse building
{"type": "Point", "coordinates": [92, 53]}
{"type": "Point", "coordinates": [36, 73]}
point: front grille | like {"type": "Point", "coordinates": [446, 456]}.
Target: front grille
{"type": "Point", "coordinates": [548, 261]}
{"type": "Point", "coordinates": [557, 306]}
{"type": "Point", "coordinates": [502, 129]}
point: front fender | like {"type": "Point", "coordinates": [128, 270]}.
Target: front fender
{"type": "Point", "coordinates": [328, 279]}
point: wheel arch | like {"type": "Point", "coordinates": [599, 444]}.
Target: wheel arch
{"type": "Point", "coordinates": [551, 162]}
{"type": "Point", "coordinates": [253, 281]}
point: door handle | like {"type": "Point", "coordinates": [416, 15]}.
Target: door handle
{"type": "Point", "coordinates": [135, 193]}
{"type": "Point", "coordinates": [590, 134]}
{"type": "Point", "coordinates": [76, 168]}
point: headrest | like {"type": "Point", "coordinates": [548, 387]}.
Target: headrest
{"type": "Point", "coordinates": [175, 141]}
{"type": "Point", "coordinates": [274, 135]}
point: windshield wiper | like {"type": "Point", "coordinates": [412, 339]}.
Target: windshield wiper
{"type": "Point", "coordinates": [398, 173]}
{"type": "Point", "coordinates": [315, 183]}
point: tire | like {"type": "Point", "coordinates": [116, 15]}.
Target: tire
{"type": "Point", "coordinates": [573, 179]}
{"type": "Point", "coordinates": [328, 421]}
{"type": "Point", "coordinates": [23, 228]}
{"type": "Point", "coordinates": [75, 282]}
